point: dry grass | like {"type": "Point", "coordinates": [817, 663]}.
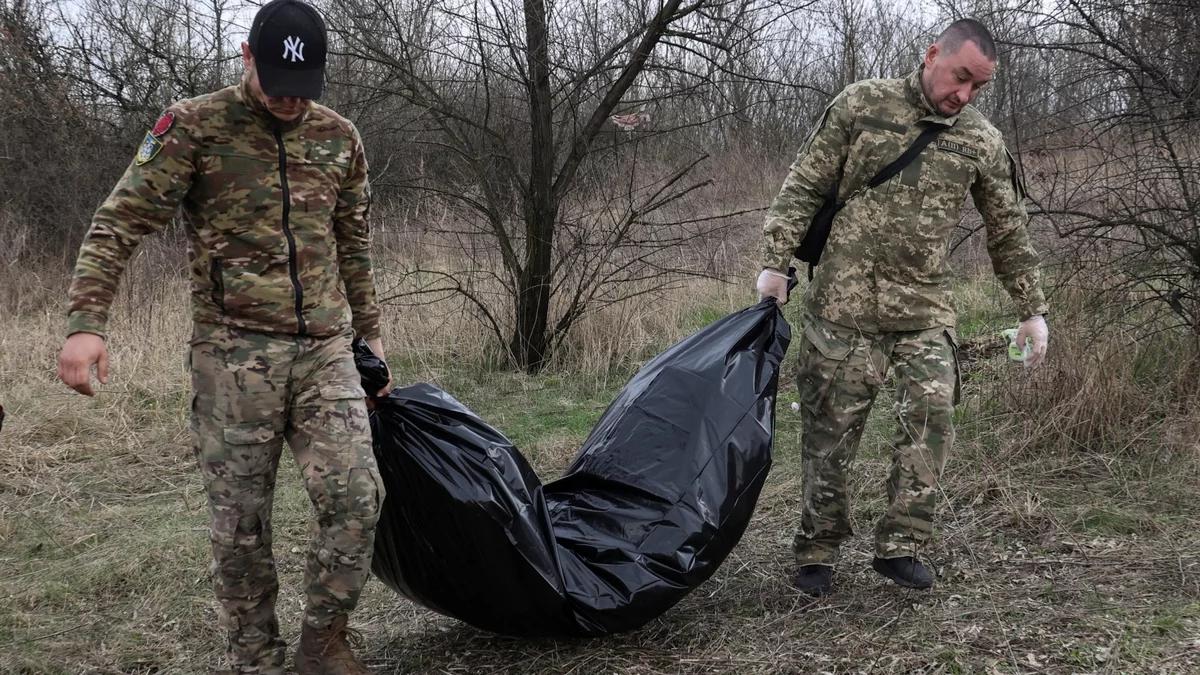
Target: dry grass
{"type": "Point", "coordinates": [1066, 542]}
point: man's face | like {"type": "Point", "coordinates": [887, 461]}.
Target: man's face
{"type": "Point", "coordinates": [952, 80]}
{"type": "Point", "coordinates": [286, 108]}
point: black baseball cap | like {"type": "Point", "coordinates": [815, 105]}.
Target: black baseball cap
{"type": "Point", "coordinates": [287, 39]}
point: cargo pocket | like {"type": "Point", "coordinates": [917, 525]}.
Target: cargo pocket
{"type": "Point", "coordinates": [248, 449]}
{"type": "Point", "coordinates": [348, 510]}
{"type": "Point", "coordinates": [343, 407]}
{"type": "Point", "coordinates": [822, 354]}
{"type": "Point", "coordinates": [367, 492]}
{"type": "Point", "coordinates": [953, 341]}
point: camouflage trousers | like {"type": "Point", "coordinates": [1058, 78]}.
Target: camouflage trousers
{"type": "Point", "coordinates": [839, 373]}
{"type": "Point", "coordinates": [250, 392]}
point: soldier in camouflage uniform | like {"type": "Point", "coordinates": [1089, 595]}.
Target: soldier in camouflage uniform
{"type": "Point", "coordinates": [274, 194]}
{"type": "Point", "coordinates": [881, 296]}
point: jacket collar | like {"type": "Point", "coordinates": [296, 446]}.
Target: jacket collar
{"type": "Point", "coordinates": [916, 96]}
{"type": "Point", "coordinates": [260, 111]}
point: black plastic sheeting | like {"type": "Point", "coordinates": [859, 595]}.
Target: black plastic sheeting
{"type": "Point", "coordinates": [658, 496]}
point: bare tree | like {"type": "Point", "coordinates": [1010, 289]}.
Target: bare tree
{"type": "Point", "coordinates": [135, 56]}
{"type": "Point", "coordinates": [1119, 178]}
{"type": "Point", "coordinates": [518, 99]}
{"type": "Point", "coordinates": [79, 83]}
{"type": "Point", "coordinates": [47, 136]}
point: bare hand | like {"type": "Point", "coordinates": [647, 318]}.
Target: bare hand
{"type": "Point", "coordinates": [80, 352]}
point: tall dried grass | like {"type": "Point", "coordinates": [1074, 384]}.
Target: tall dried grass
{"type": "Point", "coordinates": [1111, 383]}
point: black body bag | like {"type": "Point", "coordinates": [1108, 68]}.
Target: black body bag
{"type": "Point", "coordinates": [661, 491]}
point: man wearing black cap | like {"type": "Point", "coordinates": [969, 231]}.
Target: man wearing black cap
{"type": "Point", "coordinates": [274, 192]}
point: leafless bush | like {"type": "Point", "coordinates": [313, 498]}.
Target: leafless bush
{"type": "Point", "coordinates": [1104, 390]}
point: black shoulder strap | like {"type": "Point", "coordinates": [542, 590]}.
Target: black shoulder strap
{"type": "Point", "coordinates": [885, 174]}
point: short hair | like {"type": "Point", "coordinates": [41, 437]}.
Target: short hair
{"type": "Point", "coordinates": [965, 30]}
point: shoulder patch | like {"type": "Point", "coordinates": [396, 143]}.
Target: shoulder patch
{"type": "Point", "coordinates": [958, 148]}
{"type": "Point", "coordinates": [149, 149]}
{"type": "Point", "coordinates": [163, 125]}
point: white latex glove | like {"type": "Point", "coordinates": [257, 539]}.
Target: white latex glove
{"type": "Point", "coordinates": [1034, 328]}
{"type": "Point", "coordinates": [772, 284]}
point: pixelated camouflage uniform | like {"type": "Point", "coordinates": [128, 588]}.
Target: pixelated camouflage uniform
{"type": "Point", "coordinates": [882, 295]}
{"type": "Point", "coordinates": [276, 214]}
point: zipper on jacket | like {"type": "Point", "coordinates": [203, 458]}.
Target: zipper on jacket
{"type": "Point", "coordinates": [287, 233]}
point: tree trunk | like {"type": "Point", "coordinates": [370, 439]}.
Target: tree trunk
{"type": "Point", "coordinates": [529, 345]}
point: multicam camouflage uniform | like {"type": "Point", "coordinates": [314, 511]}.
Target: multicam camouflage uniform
{"type": "Point", "coordinates": [281, 280]}
{"type": "Point", "coordinates": [881, 295]}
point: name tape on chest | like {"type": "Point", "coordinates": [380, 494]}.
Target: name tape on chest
{"type": "Point", "coordinates": [958, 148]}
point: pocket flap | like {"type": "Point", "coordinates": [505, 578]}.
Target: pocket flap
{"type": "Point", "coordinates": [249, 433]}
{"type": "Point", "coordinates": [831, 345]}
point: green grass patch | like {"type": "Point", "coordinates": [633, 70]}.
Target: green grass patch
{"type": "Point", "coordinates": [700, 317]}
{"type": "Point", "coordinates": [1100, 520]}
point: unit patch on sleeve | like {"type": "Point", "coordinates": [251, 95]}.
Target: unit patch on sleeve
{"type": "Point", "coordinates": [148, 150]}
{"type": "Point", "coordinates": [163, 125]}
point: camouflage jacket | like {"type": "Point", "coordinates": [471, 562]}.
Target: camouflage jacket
{"type": "Point", "coordinates": [884, 267]}
{"type": "Point", "coordinates": [276, 213]}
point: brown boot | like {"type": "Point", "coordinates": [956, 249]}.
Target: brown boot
{"type": "Point", "coordinates": [326, 651]}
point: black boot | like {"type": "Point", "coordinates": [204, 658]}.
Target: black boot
{"type": "Point", "coordinates": [814, 580]}
{"type": "Point", "coordinates": [906, 571]}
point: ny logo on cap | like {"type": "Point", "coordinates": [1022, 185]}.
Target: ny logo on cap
{"type": "Point", "coordinates": [293, 45]}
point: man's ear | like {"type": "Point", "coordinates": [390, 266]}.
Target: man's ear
{"type": "Point", "coordinates": [931, 54]}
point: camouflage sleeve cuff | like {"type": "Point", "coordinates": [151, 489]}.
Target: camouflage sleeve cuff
{"type": "Point", "coordinates": [779, 261]}
{"type": "Point", "coordinates": [1034, 310]}
{"type": "Point", "coordinates": [1032, 303]}
{"type": "Point", "coordinates": [367, 328]}
{"type": "Point", "coordinates": [86, 322]}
